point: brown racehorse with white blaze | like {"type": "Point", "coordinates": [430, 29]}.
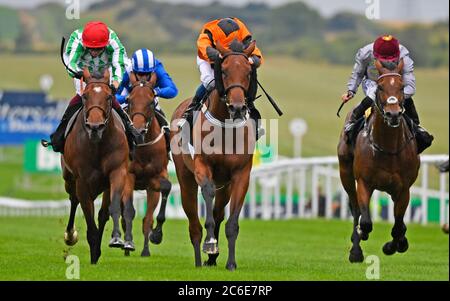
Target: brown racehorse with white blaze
{"type": "Point", "coordinates": [149, 167]}
{"type": "Point", "coordinates": [95, 160]}
{"type": "Point", "coordinates": [384, 158]}
{"type": "Point", "coordinates": [223, 177]}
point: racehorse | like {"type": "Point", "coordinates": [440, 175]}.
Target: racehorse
{"type": "Point", "coordinates": [223, 176]}
{"type": "Point", "coordinates": [149, 168]}
{"type": "Point", "coordinates": [95, 160]}
{"type": "Point", "coordinates": [384, 157]}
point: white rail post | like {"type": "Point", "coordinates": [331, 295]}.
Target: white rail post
{"type": "Point", "coordinates": [302, 192]}
{"type": "Point", "coordinates": [424, 194]}
{"type": "Point", "coordinates": [277, 193]}
{"type": "Point", "coordinates": [344, 203]}
{"type": "Point", "coordinates": [315, 193]}
{"type": "Point", "coordinates": [289, 193]}
{"type": "Point", "coordinates": [328, 191]}
{"type": "Point", "coordinates": [375, 205]}
{"type": "Point", "coordinates": [442, 206]}
{"type": "Point", "coordinates": [390, 209]}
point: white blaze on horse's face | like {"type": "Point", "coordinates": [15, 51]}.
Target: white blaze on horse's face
{"type": "Point", "coordinates": [392, 100]}
{"type": "Point", "coordinates": [97, 89]}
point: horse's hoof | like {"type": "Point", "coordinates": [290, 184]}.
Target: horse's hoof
{"type": "Point", "coordinates": [211, 247]}
{"type": "Point", "coordinates": [128, 246]}
{"type": "Point", "coordinates": [126, 253]}
{"type": "Point", "coordinates": [156, 237]}
{"type": "Point", "coordinates": [389, 248]}
{"type": "Point", "coordinates": [403, 245]}
{"type": "Point", "coordinates": [116, 242]}
{"type": "Point", "coordinates": [231, 266]}
{"type": "Point", "coordinates": [145, 253]}
{"type": "Point", "coordinates": [71, 238]}
{"type": "Point", "coordinates": [356, 255]}
{"type": "Point", "coordinates": [364, 236]}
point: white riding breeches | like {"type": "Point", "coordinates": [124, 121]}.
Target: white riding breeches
{"type": "Point", "coordinates": [206, 73]}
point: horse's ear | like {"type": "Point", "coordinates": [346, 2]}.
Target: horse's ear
{"type": "Point", "coordinates": [86, 74]}
{"type": "Point", "coordinates": [221, 49]}
{"type": "Point", "coordinates": [133, 78]}
{"type": "Point", "coordinates": [106, 75]}
{"type": "Point", "coordinates": [153, 80]}
{"type": "Point", "coordinates": [249, 50]}
{"type": "Point", "coordinates": [400, 65]}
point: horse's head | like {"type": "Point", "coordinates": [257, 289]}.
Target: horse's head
{"type": "Point", "coordinates": [236, 72]}
{"type": "Point", "coordinates": [390, 97]}
{"type": "Point", "coordinates": [97, 101]}
{"type": "Point", "coordinates": [141, 105]}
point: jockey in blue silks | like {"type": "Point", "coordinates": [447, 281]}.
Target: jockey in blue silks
{"type": "Point", "coordinates": [143, 64]}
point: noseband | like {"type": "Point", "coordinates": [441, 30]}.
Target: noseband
{"type": "Point", "coordinates": [390, 100]}
{"type": "Point", "coordinates": [107, 112]}
{"type": "Point", "coordinates": [149, 119]}
{"type": "Point", "coordinates": [224, 97]}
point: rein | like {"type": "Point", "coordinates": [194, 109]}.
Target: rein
{"type": "Point", "coordinates": [107, 112]}
{"type": "Point", "coordinates": [374, 145]}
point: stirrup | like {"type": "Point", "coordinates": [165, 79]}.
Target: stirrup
{"type": "Point", "coordinates": [45, 143]}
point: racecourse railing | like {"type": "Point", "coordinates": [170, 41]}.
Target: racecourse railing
{"type": "Point", "coordinates": [291, 188]}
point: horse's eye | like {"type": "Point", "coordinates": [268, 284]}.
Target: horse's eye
{"type": "Point", "coordinates": [380, 88]}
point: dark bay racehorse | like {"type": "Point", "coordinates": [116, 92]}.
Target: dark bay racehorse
{"type": "Point", "coordinates": [223, 176]}
{"type": "Point", "coordinates": [95, 160]}
{"type": "Point", "coordinates": [384, 158]}
{"type": "Point", "coordinates": [149, 168]}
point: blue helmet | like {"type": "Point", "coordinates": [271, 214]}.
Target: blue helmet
{"type": "Point", "coordinates": [143, 61]}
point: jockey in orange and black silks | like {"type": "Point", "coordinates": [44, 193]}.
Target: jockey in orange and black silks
{"type": "Point", "coordinates": [225, 31]}
{"type": "Point", "coordinates": [389, 52]}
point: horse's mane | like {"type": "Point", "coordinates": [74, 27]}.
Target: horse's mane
{"type": "Point", "coordinates": [237, 46]}
{"type": "Point", "coordinates": [389, 65]}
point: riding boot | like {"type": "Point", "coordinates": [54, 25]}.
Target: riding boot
{"type": "Point", "coordinates": [256, 116]}
{"type": "Point", "coordinates": [162, 121]}
{"type": "Point", "coordinates": [424, 139]}
{"type": "Point", "coordinates": [57, 139]}
{"type": "Point", "coordinates": [357, 114]}
{"type": "Point", "coordinates": [133, 136]}
{"type": "Point", "coordinates": [188, 115]}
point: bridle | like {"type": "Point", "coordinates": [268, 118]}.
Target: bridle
{"type": "Point", "coordinates": [377, 97]}
{"type": "Point", "coordinates": [148, 119]}
{"type": "Point", "coordinates": [224, 97]}
{"type": "Point", "coordinates": [109, 98]}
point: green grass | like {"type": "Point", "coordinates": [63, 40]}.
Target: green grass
{"type": "Point", "coordinates": [33, 249]}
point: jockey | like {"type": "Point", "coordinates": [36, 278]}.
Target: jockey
{"type": "Point", "coordinates": [97, 47]}
{"type": "Point", "coordinates": [225, 31]}
{"type": "Point", "coordinates": [387, 50]}
{"type": "Point", "coordinates": [143, 64]}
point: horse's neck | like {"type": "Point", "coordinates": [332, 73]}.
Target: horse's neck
{"type": "Point", "coordinates": [217, 107]}
{"type": "Point", "coordinates": [386, 137]}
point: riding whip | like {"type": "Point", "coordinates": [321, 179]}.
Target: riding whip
{"type": "Point", "coordinates": [272, 102]}
{"type": "Point", "coordinates": [340, 107]}
{"type": "Point", "coordinates": [63, 41]}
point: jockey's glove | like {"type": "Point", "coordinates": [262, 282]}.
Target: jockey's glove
{"type": "Point", "coordinates": [212, 53]}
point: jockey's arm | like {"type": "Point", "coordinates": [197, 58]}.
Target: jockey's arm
{"type": "Point", "coordinates": [359, 70]}
{"type": "Point", "coordinates": [74, 51]}
{"type": "Point", "coordinates": [123, 90]}
{"type": "Point", "coordinates": [409, 79]}
{"type": "Point", "coordinates": [118, 57]}
{"type": "Point", "coordinates": [203, 42]}
{"type": "Point", "coordinates": [165, 87]}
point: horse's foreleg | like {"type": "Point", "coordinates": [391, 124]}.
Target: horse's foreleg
{"type": "Point", "coordinates": [222, 199]}
{"type": "Point", "coordinates": [189, 190]}
{"type": "Point", "coordinates": [399, 242]}
{"type": "Point", "coordinates": [365, 223]}
{"type": "Point", "coordinates": [147, 222]}
{"type": "Point", "coordinates": [71, 234]}
{"type": "Point", "coordinates": [164, 186]}
{"type": "Point", "coordinates": [103, 214]}
{"type": "Point", "coordinates": [116, 190]}
{"type": "Point", "coordinates": [203, 176]}
{"type": "Point", "coordinates": [87, 204]}
{"type": "Point", "coordinates": [128, 212]}
{"type": "Point", "coordinates": [239, 186]}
